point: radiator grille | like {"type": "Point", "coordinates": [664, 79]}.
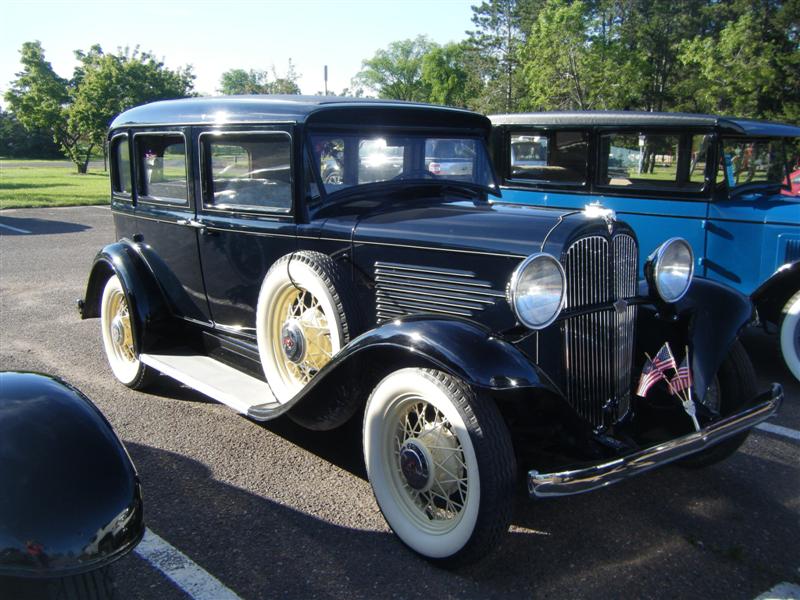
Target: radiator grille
{"type": "Point", "coordinates": [408, 289]}
{"type": "Point", "coordinates": [598, 346]}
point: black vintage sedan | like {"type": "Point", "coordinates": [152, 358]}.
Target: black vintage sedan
{"type": "Point", "coordinates": [470, 336]}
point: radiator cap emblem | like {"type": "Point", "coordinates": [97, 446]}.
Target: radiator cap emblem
{"type": "Point", "coordinates": [597, 211]}
{"type": "Point", "coordinates": [620, 305]}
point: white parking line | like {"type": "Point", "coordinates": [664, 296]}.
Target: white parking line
{"type": "Point", "coordinates": [182, 570]}
{"type": "Point", "coordinates": [782, 591]}
{"type": "Point", "coordinates": [779, 430]}
{"type": "Point", "coordinates": [17, 229]}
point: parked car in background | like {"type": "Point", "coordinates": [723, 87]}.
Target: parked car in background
{"type": "Point", "coordinates": [728, 186]}
{"type": "Point", "coordinates": [70, 498]}
{"type": "Point", "coordinates": [469, 335]}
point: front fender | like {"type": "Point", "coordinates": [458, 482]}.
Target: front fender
{"type": "Point", "coordinates": [709, 319]}
{"type": "Point", "coordinates": [149, 309]}
{"type": "Point", "coordinates": [459, 347]}
{"type": "Point", "coordinates": [772, 295]}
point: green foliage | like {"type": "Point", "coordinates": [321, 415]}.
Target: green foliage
{"type": "Point", "coordinates": [18, 142]}
{"type": "Point", "coordinates": [239, 81]}
{"type": "Point", "coordinates": [448, 73]}
{"type": "Point", "coordinates": [396, 72]}
{"type": "Point", "coordinates": [78, 111]}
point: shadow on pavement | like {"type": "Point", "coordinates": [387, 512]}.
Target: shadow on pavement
{"type": "Point", "coordinates": [27, 226]}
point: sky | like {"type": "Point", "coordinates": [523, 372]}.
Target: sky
{"type": "Point", "coordinates": [216, 36]}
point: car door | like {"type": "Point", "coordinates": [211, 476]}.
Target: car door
{"type": "Point", "coordinates": [164, 211]}
{"type": "Point", "coordinates": [245, 218]}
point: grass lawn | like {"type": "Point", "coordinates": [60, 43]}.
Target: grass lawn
{"type": "Point", "coordinates": [24, 184]}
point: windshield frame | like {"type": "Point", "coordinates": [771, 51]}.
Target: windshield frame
{"type": "Point", "coordinates": [327, 198]}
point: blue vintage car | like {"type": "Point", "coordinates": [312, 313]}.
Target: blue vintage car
{"type": "Point", "coordinates": [725, 185]}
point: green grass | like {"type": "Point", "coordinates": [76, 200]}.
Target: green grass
{"type": "Point", "coordinates": [23, 185]}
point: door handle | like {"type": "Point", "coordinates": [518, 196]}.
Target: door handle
{"type": "Point", "coordinates": [191, 223]}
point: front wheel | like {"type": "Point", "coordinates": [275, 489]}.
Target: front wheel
{"type": "Point", "coordinates": [790, 334]}
{"type": "Point", "coordinates": [441, 464]}
{"type": "Point", "coordinates": [733, 386]}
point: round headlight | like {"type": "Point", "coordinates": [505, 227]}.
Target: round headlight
{"type": "Point", "coordinates": [537, 291]}
{"type": "Point", "coordinates": [670, 269]}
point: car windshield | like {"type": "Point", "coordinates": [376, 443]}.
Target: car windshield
{"type": "Point", "coordinates": [347, 160]}
{"type": "Point", "coordinates": [747, 161]}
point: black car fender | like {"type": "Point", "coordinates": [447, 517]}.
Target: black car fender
{"type": "Point", "coordinates": [458, 347]}
{"type": "Point", "coordinates": [149, 309]}
{"type": "Point", "coordinates": [714, 316]}
{"type": "Point", "coordinates": [71, 499]}
{"type": "Point", "coordinates": [772, 295]}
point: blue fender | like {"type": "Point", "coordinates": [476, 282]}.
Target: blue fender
{"type": "Point", "coordinates": [772, 295]}
{"type": "Point", "coordinates": [149, 309]}
{"type": "Point", "coordinates": [70, 498]}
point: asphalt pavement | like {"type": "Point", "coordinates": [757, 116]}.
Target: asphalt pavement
{"type": "Point", "coordinates": [274, 511]}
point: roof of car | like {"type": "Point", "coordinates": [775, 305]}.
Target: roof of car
{"type": "Point", "coordinates": [222, 110]}
{"type": "Point", "coordinates": [618, 118]}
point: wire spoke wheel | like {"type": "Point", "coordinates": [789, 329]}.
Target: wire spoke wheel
{"type": "Point", "coordinates": [440, 461]}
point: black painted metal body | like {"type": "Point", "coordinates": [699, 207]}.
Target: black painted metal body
{"type": "Point", "coordinates": [70, 498]}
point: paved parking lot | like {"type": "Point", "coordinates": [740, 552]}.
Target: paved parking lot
{"type": "Point", "coordinates": [273, 511]}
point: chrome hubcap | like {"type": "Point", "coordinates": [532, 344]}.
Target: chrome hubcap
{"type": "Point", "coordinates": [293, 341]}
{"type": "Point", "coordinates": [414, 461]}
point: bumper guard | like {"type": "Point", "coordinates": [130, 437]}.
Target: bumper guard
{"type": "Point", "coordinates": [586, 479]}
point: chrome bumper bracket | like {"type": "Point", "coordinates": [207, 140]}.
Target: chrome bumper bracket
{"type": "Point", "coordinates": [586, 479]}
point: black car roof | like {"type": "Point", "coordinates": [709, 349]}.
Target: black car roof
{"type": "Point", "coordinates": [729, 125]}
{"type": "Point", "coordinates": [222, 110]}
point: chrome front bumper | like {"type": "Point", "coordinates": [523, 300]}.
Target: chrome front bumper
{"type": "Point", "coordinates": [586, 479]}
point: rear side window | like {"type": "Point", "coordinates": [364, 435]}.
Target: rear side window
{"type": "Point", "coordinates": [121, 165]}
{"type": "Point", "coordinates": [654, 161]}
{"type": "Point", "coordinates": [162, 166]}
{"type": "Point", "coordinates": [247, 171]}
{"type": "Point", "coordinates": [559, 157]}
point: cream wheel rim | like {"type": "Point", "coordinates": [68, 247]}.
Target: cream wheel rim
{"type": "Point", "coordinates": [119, 328]}
{"type": "Point", "coordinates": [300, 334]}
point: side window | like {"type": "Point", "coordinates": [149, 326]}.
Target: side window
{"type": "Point", "coordinates": [559, 157]}
{"type": "Point", "coordinates": [162, 166]}
{"type": "Point", "coordinates": [248, 171]}
{"type": "Point", "coordinates": [121, 166]}
{"type": "Point", "coordinates": [654, 161]}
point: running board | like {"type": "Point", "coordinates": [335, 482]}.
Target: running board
{"type": "Point", "coordinates": [242, 392]}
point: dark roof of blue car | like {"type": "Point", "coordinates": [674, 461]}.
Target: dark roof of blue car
{"type": "Point", "coordinates": [257, 109]}
{"type": "Point", "coordinates": [623, 118]}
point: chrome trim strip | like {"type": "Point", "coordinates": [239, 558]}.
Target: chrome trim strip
{"type": "Point", "coordinates": [379, 264]}
{"type": "Point", "coordinates": [586, 479]}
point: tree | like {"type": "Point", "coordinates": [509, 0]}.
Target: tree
{"type": "Point", "coordinates": [396, 72]}
{"type": "Point", "coordinates": [239, 81]}
{"type": "Point", "coordinates": [77, 112]}
{"type": "Point", "coordinates": [499, 34]}
{"type": "Point", "coordinates": [447, 72]}
{"type": "Point", "coordinates": [17, 142]}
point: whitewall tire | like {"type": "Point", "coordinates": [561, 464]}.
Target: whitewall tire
{"type": "Point", "coordinates": [790, 334]}
{"type": "Point", "coordinates": [117, 325]}
{"type": "Point", "coordinates": [301, 322]}
{"type": "Point", "coordinates": [441, 465]}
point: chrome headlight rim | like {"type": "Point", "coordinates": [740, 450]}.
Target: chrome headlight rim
{"type": "Point", "coordinates": [513, 295]}
{"type": "Point", "coordinates": [655, 263]}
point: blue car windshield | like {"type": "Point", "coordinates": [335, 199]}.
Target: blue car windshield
{"type": "Point", "coordinates": [345, 160]}
{"type": "Point", "coordinates": [748, 161]}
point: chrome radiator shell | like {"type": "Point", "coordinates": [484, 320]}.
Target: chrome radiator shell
{"type": "Point", "coordinates": [598, 345]}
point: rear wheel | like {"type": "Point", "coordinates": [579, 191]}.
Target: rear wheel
{"type": "Point", "coordinates": [790, 334]}
{"type": "Point", "coordinates": [117, 328]}
{"type": "Point", "coordinates": [733, 386]}
{"type": "Point", "coordinates": [441, 465]}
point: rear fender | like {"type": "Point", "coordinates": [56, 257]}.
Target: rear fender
{"type": "Point", "coordinates": [149, 310]}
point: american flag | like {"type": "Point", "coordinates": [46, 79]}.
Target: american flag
{"type": "Point", "coordinates": [664, 359]}
{"type": "Point", "coordinates": [683, 378]}
{"type": "Point", "coordinates": [649, 377]}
